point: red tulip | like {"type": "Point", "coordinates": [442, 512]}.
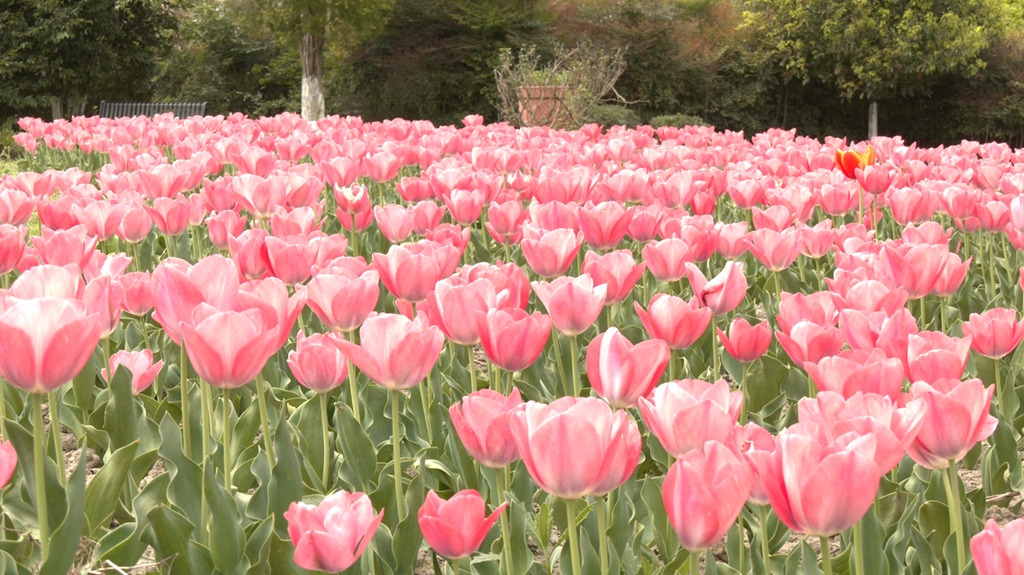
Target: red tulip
{"type": "Point", "coordinates": [395, 352]}
{"type": "Point", "coordinates": [816, 487]}
{"type": "Point", "coordinates": [617, 270]}
{"type": "Point", "coordinates": [933, 355]}
{"type": "Point", "coordinates": [572, 303]}
{"type": "Point", "coordinates": [620, 372]}
{"type": "Point", "coordinates": [547, 437]}
{"type": "Point", "coordinates": [139, 363]}
{"type": "Point", "coordinates": [674, 321]}
{"type": "Point", "coordinates": [550, 253]}
{"type": "Point", "coordinates": [343, 300]}
{"type": "Point", "coordinates": [317, 362]}
{"type": "Point", "coordinates": [511, 338]}
{"type": "Point", "coordinates": [410, 271]}
{"type": "Point", "coordinates": [855, 371]}
{"type": "Point", "coordinates": [667, 258]}
{"type": "Point", "coordinates": [45, 343]}
{"type": "Point", "coordinates": [955, 421]}
{"type": "Point", "coordinates": [686, 414]}
{"type": "Point", "coordinates": [457, 527]}
{"type": "Point", "coordinates": [482, 421]}
{"type": "Point", "coordinates": [704, 492]}
{"type": "Point", "coordinates": [724, 292]}
{"type": "Point", "coordinates": [849, 161]}
{"type": "Point", "coordinates": [996, 551]}
{"type": "Point", "coordinates": [452, 306]}
{"type": "Point", "coordinates": [810, 342]}
{"type": "Point", "coordinates": [745, 343]}
{"type": "Point", "coordinates": [331, 536]}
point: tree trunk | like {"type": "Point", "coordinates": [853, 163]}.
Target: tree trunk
{"type": "Point", "coordinates": [56, 107]}
{"type": "Point", "coordinates": [312, 55]}
{"type": "Point", "coordinates": [873, 119]}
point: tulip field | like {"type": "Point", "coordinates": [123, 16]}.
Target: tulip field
{"type": "Point", "coordinates": [272, 346]}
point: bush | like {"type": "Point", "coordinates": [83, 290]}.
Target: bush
{"type": "Point", "coordinates": [676, 120]}
{"type": "Point", "coordinates": [608, 115]}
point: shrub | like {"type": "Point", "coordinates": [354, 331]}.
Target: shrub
{"type": "Point", "coordinates": [608, 115]}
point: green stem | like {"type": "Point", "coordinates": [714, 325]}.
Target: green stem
{"type": "Point", "coordinates": [455, 566]}
{"type": "Point", "coordinates": [766, 552]}
{"type": "Point", "coordinates": [558, 362]}
{"type": "Point", "coordinates": [860, 199]}
{"type": "Point", "coordinates": [574, 536]}
{"type": "Point", "coordinates": [355, 238]}
{"type": "Point", "coordinates": [37, 440]}
{"type": "Point", "coordinates": [472, 369]}
{"type": "Point", "coordinates": [58, 445]}
{"type": "Point", "coordinates": [206, 399]}
{"type": "Point", "coordinates": [714, 346]}
{"type": "Point", "coordinates": [999, 390]}
{"type": "Point", "coordinates": [327, 442]}
{"type": "Point", "coordinates": [396, 439]}
{"type": "Point", "coordinates": [353, 385]}
{"type": "Point", "coordinates": [746, 394]}
{"type": "Point", "coordinates": [602, 533]}
{"type": "Point", "coordinates": [226, 438]}
{"type": "Point", "coordinates": [577, 386]}
{"type": "Point", "coordinates": [508, 253]}
{"type": "Point", "coordinates": [427, 400]}
{"type": "Point", "coordinates": [778, 293]}
{"type": "Point", "coordinates": [506, 533]}
{"type": "Point", "coordinates": [186, 421]}
{"type": "Point", "coordinates": [826, 558]}
{"type": "Point", "coordinates": [694, 562]}
{"type": "Point", "coordinates": [950, 482]}
{"type": "Point", "coordinates": [3, 410]}
{"type": "Point", "coordinates": [921, 303]}
{"type": "Point", "coordinates": [741, 553]}
{"type": "Point", "coordinates": [858, 546]}
{"type": "Point", "coordinates": [265, 420]}
{"type": "Point", "coordinates": [672, 367]}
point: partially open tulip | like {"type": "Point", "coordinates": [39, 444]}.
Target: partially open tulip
{"type": "Point", "coordinates": [317, 362]}
{"type": "Point", "coordinates": [247, 253]}
{"type": "Point", "coordinates": [550, 253]}
{"type": "Point", "coordinates": [548, 436]}
{"type": "Point", "coordinates": [810, 342]}
{"type": "Point", "coordinates": [342, 299]}
{"type": "Point", "coordinates": [464, 206]}
{"type": "Point", "coordinates": [746, 343]}
{"type": "Point", "coordinates": [956, 419]}
{"type": "Point", "coordinates": [457, 527]}
{"type": "Point", "coordinates": [139, 363]}
{"type": "Point", "coordinates": [857, 371]}
{"type": "Point", "coordinates": [686, 414]}
{"type": "Point", "coordinates": [724, 292]}
{"type": "Point", "coordinates": [848, 161]}
{"type": "Point", "coordinates": [512, 338]}
{"type": "Point", "coordinates": [573, 303]}
{"type": "Point", "coordinates": [605, 224]}
{"type": "Point", "coordinates": [754, 437]}
{"type": "Point", "coordinates": [223, 225]}
{"type": "Point", "coordinates": [933, 355]}
{"type": "Point", "coordinates": [45, 343]}
{"type": "Point", "coordinates": [103, 297]}
{"type": "Point", "coordinates": [916, 270]}
{"type": "Point", "coordinates": [452, 306]}
{"type": "Point", "coordinates": [410, 271]}
{"type": "Point", "coordinates": [816, 487]}
{"type": "Point", "coordinates": [170, 216]}
{"type": "Point", "coordinates": [138, 292]}
{"type": "Point", "coordinates": [395, 352]}
{"type": "Point", "coordinates": [951, 275]}
{"type": "Point", "coordinates": [704, 492]}
{"type": "Point", "coordinates": [816, 308]}
{"type": "Point", "coordinates": [63, 247]}
{"type": "Point", "coordinates": [394, 221]}
{"type": "Point", "coordinates": [179, 287]}
{"type": "Point", "coordinates": [289, 259]}
{"type": "Point", "coordinates": [775, 250]}
{"type": "Point", "coordinates": [674, 320]}
{"type": "Point", "coordinates": [999, 550]}
{"type": "Point", "coordinates": [620, 372]}
{"type": "Point", "coordinates": [228, 348]}
{"type": "Point", "coordinates": [617, 270]}
{"type": "Point", "coordinates": [504, 221]}
{"type": "Point", "coordinates": [331, 536]}
{"type": "Point", "coordinates": [482, 421]}
{"type": "Point", "coordinates": [667, 259]}
{"type": "Point", "coordinates": [994, 333]}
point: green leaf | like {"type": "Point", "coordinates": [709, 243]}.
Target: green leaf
{"type": "Point", "coordinates": [128, 551]}
{"type": "Point", "coordinates": [65, 541]}
{"type": "Point", "coordinates": [122, 411]}
{"type": "Point", "coordinates": [171, 541]}
{"type": "Point", "coordinates": [407, 540]}
{"type": "Point", "coordinates": [106, 487]}
{"type": "Point", "coordinates": [186, 488]}
{"type": "Point", "coordinates": [286, 477]}
{"type": "Point", "coordinates": [227, 543]}
{"type": "Point", "coordinates": [664, 534]}
{"type": "Point", "coordinates": [257, 546]}
{"type": "Point", "coordinates": [359, 465]}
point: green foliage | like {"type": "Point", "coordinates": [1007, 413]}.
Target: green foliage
{"type": "Point", "coordinates": [675, 120]}
{"type": "Point", "coordinates": [608, 115]}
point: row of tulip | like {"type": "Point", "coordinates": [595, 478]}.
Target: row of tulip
{"type": "Point", "coordinates": [848, 414]}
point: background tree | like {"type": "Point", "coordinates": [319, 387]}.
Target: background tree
{"type": "Point", "coordinates": [875, 49]}
{"type": "Point", "coordinates": [72, 53]}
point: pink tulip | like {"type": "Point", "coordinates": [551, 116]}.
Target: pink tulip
{"type": "Point", "coordinates": [394, 221]}
{"type": "Point", "coordinates": [223, 225]}
{"type": "Point", "coordinates": [732, 240]}
{"type": "Point", "coordinates": [775, 250]}
{"type": "Point", "coordinates": [381, 167]}
{"type": "Point", "coordinates": [933, 355]}
{"type": "Point", "coordinates": [425, 216]}
{"type": "Point", "coordinates": [554, 215]}
{"type": "Point", "coordinates": [875, 179]}
{"type": "Point", "coordinates": [46, 281]}
{"type": "Point", "coordinates": [667, 258]}
{"type": "Point", "coordinates": [317, 362]}
{"type": "Point", "coordinates": [169, 216]}
{"type": "Point", "coordinates": [135, 224]}
{"type": "Point", "coordinates": [996, 550]}
{"type": "Point", "coordinates": [956, 419]}
{"type": "Point", "coordinates": [16, 207]}
{"type": "Point", "coordinates": [674, 321]}
{"type": "Point", "coordinates": [482, 421]}
{"type": "Point", "coordinates": [504, 222]}
{"type": "Point", "coordinates": [746, 193]}
{"type": "Point", "coordinates": [464, 206]}
{"type": "Point", "coordinates": [951, 275]}
{"type": "Point", "coordinates": [916, 270]}
{"type": "Point", "coordinates": [644, 225]}
{"type": "Point", "coordinates": [12, 247]}
{"type": "Point", "coordinates": [856, 371]}
{"type": "Point", "coordinates": [686, 414]}
{"type": "Point", "coordinates": [271, 296]}
{"type": "Point", "coordinates": [704, 492]}
{"type": "Point", "coordinates": [410, 271]}
{"type": "Point", "coordinates": [450, 235]}
{"type": "Point", "coordinates": [724, 292]}
{"type": "Point", "coordinates": [297, 222]}
{"type": "Point", "coordinates": [816, 308]}
{"type": "Point", "coordinates": [8, 462]}
{"type": "Point", "coordinates": [395, 352]}
{"type": "Point", "coordinates": [816, 487]}
{"type": "Point", "coordinates": [995, 333]}
{"type": "Point", "coordinates": [331, 536]}
{"type": "Point", "coordinates": [342, 300]}
{"type": "Point", "coordinates": [452, 306]}
{"type": "Point", "coordinates": [101, 218]}
{"type": "Point", "coordinates": [605, 224]}
{"type": "Point", "coordinates": [457, 527]}
{"type": "Point", "coordinates": [752, 437]}
{"type": "Point", "coordinates": [340, 171]}
{"type": "Point", "coordinates": [745, 343]}
{"type": "Point", "coordinates": [103, 298]}
{"type": "Point", "coordinates": [550, 253]}
{"type": "Point", "coordinates": [617, 270]}
{"type": "Point", "coordinates": [547, 437]}
{"type": "Point", "coordinates": [139, 363]}
{"type": "Point", "coordinates": [512, 338]}
{"type": "Point", "coordinates": [620, 372]}
{"type": "Point", "coordinates": [505, 277]}
{"type": "Point", "coordinates": [247, 253]}
{"type": "Point", "coordinates": [289, 259]}
{"type": "Point", "coordinates": [871, 296]}
{"type": "Point", "coordinates": [163, 181]}
{"type": "Point", "coordinates": [352, 200]}
{"type": "Point", "coordinates": [63, 247]}
{"type": "Point", "coordinates": [894, 427]}
{"type": "Point", "coordinates": [810, 342]}
{"type": "Point", "coordinates": [178, 288]}
{"type": "Point", "coordinates": [573, 303]}
{"type": "Point", "coordinates": [45, 343]}
{"type": "Point", "coordinates": [228, 348]}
